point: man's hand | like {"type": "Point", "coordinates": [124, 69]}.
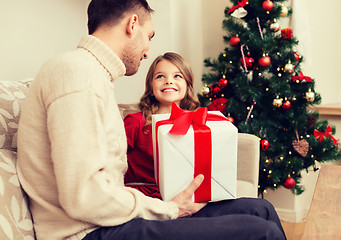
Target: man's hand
{"type": "Point", "coordinates": [184, 199]}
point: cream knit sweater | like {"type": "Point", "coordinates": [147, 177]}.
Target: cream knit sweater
{"type": "Point", "coordinates": [72, 148]}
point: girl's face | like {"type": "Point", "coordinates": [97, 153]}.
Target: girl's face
{"type": "Point", "coordinates": [169, 85]}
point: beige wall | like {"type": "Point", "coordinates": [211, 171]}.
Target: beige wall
{"type": "Point", "coordinates": [325, 53]}
{"type": "Point", "coordinates": [34, 30]}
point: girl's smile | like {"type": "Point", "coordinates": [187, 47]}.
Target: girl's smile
{"type": "Point", "coordinates": [169, 90]}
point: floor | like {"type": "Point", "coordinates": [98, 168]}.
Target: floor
{"type": "Point", "coordinates": [293, 231]}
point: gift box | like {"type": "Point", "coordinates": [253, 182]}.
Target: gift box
{"type": "Point", "coordinates": [186, 144]}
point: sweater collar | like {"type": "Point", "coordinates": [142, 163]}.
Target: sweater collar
{"type": "Point", "coordinates": [107, 58]}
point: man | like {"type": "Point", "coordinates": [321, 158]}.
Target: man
{"type": "Point", "coordinates": [73, 172]}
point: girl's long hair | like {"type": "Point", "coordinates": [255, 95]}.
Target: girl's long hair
{"type": "Point", "coordinates": [148, 103]}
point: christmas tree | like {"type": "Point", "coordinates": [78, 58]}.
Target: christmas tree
{"type": "Point", "coordinates": [258, 83]}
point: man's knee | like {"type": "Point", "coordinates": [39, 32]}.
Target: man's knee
{"type": "Point", "coordinates": [258, 207]}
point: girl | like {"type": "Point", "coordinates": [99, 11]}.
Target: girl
{"type": "Point", "coordinates": [169, 79]}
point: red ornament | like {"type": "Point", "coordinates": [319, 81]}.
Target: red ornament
{"type": "Point", "coordinates": [218, 104]}
{"type": "Point", "coordinates": [223, 82]}
{"type": "Point", "coordinates": [230, 119]}
{"type": "Point", "coordinates": [264, 61]}
{"type": "Point", "coordinates": [289, 183]}
{"type": "Point", "coordinates": [215, 89]}
{"type": "Point", "coordinates": [297, 56]}
{"type": "Point", "coordinates": [264, 144]}
{"type": "Point", "coordinates": [267, 5]}
{"type": "Point", "coordinates": [286, 105]}
{"type": "Point", "coordinates": [234, 41]}
{"type": "Point", "coordinates": [248, 62]}
{"type": "Point", "coordinates": [286, 33]}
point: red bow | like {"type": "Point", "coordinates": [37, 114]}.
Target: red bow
{"type": "Point", "coordinates": [183, 119]}
{"type": "Point", "coordinates": [239, 5]}
{"type": "Point", "coordinates": [327, 133]}
{"type": "Point", "coordinates": [301, 77]}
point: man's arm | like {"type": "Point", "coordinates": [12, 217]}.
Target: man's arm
{"type": "Point", "coordinates": [88, 183]}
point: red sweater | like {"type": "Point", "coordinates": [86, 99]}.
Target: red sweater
{"type": "Point", "coordinates": [140, 155]}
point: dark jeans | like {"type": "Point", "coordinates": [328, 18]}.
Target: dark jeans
{"type": "Point", "coordinates": [244, 218]}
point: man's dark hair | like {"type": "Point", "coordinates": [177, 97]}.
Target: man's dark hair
{"type": "Point", "coordinates": [111, 11]}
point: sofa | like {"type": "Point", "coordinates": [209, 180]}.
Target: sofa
{"type": "Point", "coordinates": [15, 217]}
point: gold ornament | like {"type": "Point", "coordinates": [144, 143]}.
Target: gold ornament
{"type": "Point", "coordinates": [310, 96]}
{"type": "Point", "coordinates": [289, 67]}
{"type": "Point", "coordinates": [205, 90]}
{"type": "Point", "coordinates": [277, 102]}
{"type": "Point", "coordinates": [284, 11]}
{"type": "Point", "coordinates": [275, 27]}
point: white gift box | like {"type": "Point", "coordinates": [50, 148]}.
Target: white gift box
{"type": "Point", "coordinates": [174, 166]}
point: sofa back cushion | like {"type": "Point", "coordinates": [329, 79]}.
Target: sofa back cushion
{"type": "Point", "coordinates": [126, 109]}
{"type": "Point", "coordinates": [15, 217]}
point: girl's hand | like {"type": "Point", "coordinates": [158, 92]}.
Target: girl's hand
{"type": "Point", "coordinates": [184, 199]}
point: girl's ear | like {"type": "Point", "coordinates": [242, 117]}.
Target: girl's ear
{"type": "Point", "coordinates": [132, 24]}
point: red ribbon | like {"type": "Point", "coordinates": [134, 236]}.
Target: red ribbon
{"type": "Point", "coordinates": [301, 77]}
{"type": "Point", "coordinates": [287, 33]}
{"type": "Point", "coordinates": [320, 135]}
{"type": "Point", "coordinates": [182, 120]}
{"type": "Point", "coordinates": [239, 5]}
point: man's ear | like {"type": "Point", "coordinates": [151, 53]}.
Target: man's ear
{"type": "Point", "coordinates": [132, 24]}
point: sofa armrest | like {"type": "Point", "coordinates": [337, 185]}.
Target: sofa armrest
{"type": "Point", "coordinates": [247, 165]}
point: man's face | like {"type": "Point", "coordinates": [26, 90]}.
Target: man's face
{"type": "Point", "coordinates": [137, 49]}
